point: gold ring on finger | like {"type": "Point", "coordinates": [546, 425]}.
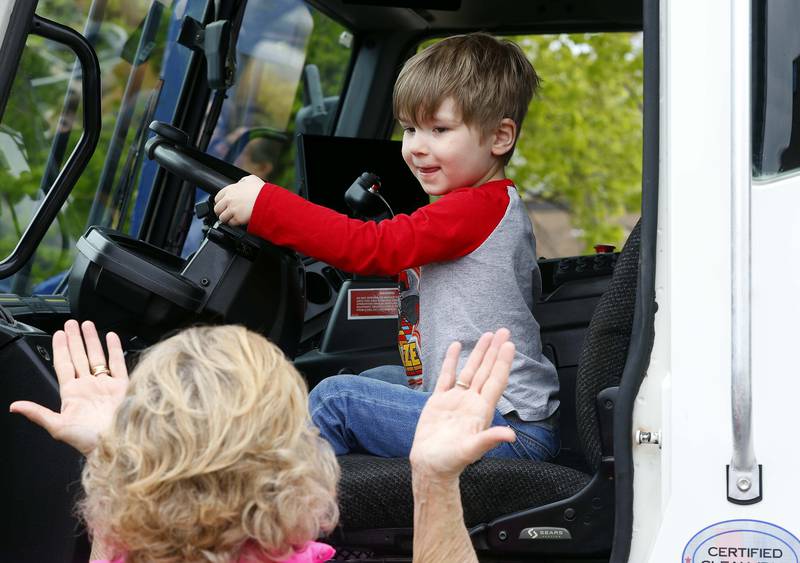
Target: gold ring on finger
{"type": "Point", "coordinates": [99, 369]}
{"type": "Point", "coordinates": [462, 384]}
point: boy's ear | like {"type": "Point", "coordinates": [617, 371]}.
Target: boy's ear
{"type": "Point", "coordinates": [504, 137]}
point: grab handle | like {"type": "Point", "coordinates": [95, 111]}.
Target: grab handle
{"type": "Point", "coordinates": [743, 474]}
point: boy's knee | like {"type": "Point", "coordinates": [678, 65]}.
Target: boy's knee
{"type": "Point", "coordinates": [327, 389]}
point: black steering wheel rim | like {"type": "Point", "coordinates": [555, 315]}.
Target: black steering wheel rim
{"type": "Point", "coordinates": [171, 150]}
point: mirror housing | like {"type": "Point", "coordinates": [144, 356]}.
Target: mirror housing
{"type": "Point", "coordinates": [214, 41]}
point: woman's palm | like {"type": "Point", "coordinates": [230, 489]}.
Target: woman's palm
{"type": "Point", "coordinates": [88, 401]}
{"type": "Point", "coordinates": [87, 407]}
{"type": "Point", "coordinates": [453, 429]}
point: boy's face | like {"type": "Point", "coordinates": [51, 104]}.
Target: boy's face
{"type": "Point", "coordinates": [445, 154]}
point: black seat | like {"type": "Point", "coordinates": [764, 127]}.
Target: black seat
{"type": "Point", "coordinates": [503, 499]}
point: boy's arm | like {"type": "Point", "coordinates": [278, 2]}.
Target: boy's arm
{"type": "Point", "coordinates": [445, 230]}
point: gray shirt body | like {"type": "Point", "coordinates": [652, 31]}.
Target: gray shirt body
{"type": "Point", "coordinates": [488, 289]}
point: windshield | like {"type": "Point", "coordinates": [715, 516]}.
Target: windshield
{"type": "Point", "coordinates": [142, 70]}
{"type": "Point", "coordinates": [278, 43]}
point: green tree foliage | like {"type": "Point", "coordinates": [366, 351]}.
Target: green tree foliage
{"type": "Point", "coordinates": [581, 143]}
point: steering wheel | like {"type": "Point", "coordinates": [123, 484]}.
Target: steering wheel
{"type": "Point", "coordinates": [128, 285]}
{"type": "Point", "coordinates": [170, 148]}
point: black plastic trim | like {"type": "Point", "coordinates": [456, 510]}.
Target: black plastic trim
{"type": "Point", "coordinates": [585, 515]}
{"type": "Point", "coordinates": [754, 500]}
{"type": "Point", "coordinates": [75, 165]}
{"type": "Point", "coordinates": [572, 17]}
{"type": "Point", "coordinates": [643, 332]}
{"type": "Point", "coordinates": [12, 46]}
{"type": "Point", "coordinates": [758, 81]}
{"type": "Point", "coordinates": [168, 191]}
{"type": "Point", "coordinates": [107, 249]}
{"type": "Point", "coordinates": [374, 68]}
{"type": "Point", "coordinates": [605, 403]}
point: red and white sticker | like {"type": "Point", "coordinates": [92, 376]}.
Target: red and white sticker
{"type": "Point", "coordinates": [363, 304]}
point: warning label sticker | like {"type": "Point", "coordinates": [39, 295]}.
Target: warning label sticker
{"type": "Point", "coordinates": [742, 541]}
{"type": "Point", "coordinates": [381, 303]}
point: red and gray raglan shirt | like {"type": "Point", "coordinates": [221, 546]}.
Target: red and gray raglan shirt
{"type": "Point", "coordinates": [466, 265]}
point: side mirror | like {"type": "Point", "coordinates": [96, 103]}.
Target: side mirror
{"type": "Point", "coordinates": [317, 114]}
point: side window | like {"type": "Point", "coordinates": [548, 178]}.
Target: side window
{"type": "Point", "coordinates": [579, 156]}
{"type": "Point", "coordinates": [268, 104]}
{"type": "Point", "coordinates": [43, 122]}
{"type": "Point", "coordinates": [776, 88]}
{"type": "Point", "coordinates": [578, 161]}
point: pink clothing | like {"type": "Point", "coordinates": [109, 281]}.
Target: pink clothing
{"type": "Point", "coordinates": [313, 552]}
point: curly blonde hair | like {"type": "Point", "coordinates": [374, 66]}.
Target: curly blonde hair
{"type": "Point", "coordinates": [212, 448]}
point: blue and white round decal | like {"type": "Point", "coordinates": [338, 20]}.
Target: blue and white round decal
{"type": "Point", "coordinates": [742, 541]}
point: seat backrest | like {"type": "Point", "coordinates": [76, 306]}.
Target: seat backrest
{"type": "Point", "coordinates": [605, 347]}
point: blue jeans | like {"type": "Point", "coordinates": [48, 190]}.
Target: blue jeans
{"type": "Point", "coordinates": [368, 413]}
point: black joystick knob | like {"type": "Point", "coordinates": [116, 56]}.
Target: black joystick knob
{"type": "Point", "coordinates": [362, 196]}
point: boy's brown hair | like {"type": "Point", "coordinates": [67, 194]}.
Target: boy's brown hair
{"type": "Point", "coordinates": [488, 78]}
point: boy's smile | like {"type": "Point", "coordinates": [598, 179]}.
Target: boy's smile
{"type": "Point", "coordinates": [444, 153]}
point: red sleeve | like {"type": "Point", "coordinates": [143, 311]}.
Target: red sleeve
{"type": "Point", "coordinates": [449, 228]}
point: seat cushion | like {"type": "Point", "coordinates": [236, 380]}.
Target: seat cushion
{"type": "Point", "coordinates": [375, 492]}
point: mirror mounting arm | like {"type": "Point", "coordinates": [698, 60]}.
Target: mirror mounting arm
{"type": "Point", "coordinates": [214, 41]}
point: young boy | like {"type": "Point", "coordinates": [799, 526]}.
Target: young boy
{"type": "Point", "coordinates": [467, 261]}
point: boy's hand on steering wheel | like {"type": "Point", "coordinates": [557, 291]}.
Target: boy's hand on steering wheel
{"type": "Point", "coordinates": [234, 203]}
{"type": "Point", "coordinates": [91, 389]}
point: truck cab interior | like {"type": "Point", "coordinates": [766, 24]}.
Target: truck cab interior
{"type": "Point", "coordinates": [118, 121]}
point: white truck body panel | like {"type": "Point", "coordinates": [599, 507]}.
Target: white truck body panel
{"type": "Point", "coordinates": [681, 487]}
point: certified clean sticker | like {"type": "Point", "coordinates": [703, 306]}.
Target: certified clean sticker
{"type": "Point", "coordinates": [742, 541]}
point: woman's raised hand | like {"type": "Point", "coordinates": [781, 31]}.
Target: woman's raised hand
{"type": "Point", "coordinates": [453, 429]}
{"type": "Point", "coordinates": [91, 388]}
